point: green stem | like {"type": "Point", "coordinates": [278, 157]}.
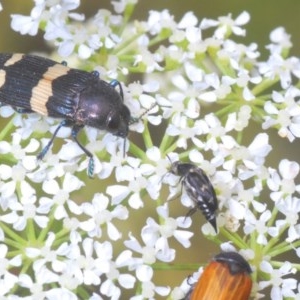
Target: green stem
{"type": "Point", "coordinates": [42, 235]}
{"type": "Point", "coordinates": [235, 238]}
{"type": "Point", "coordinates": [158, 39]}
{"type": "Point", "coordinates": [129, 9]}
{"type": "Point", "coordinates": [124, 47]}
{"type": "Point", "coordinates": [175, 267]}
{"type": "Point", "coordinates": [14, 236]}
{"type": "Point", "coordinates": [136, 151]}
{"type": "Point", "coordinates": [147, 136]}
{"type": "Point", "coordinates": [171, 148]}
{"type": "Point", "coordinates": [264, 85]}
{"type": "Point", "coordinates": [279, 249]}
{"type": "Point", "coordinates": [279, 264]}
{"type": "Point", "coordinates": [5, 131]}
{"type": "Point", "coordinates": [166, 141]}
{"type": "Point", "coordinates": [227, 109]}
{"type": "Point", "coordinates": [30, 230]}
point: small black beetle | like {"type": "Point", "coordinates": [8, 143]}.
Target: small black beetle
{"type": "Point", "coordinates": [30, 83]}
{"type": "Point", "coordinates": [199, 188]}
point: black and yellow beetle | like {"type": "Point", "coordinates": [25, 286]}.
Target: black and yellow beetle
{"type": "Point", "coordinates": [30, 83]}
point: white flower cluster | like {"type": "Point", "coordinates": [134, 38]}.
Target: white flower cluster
{"type": "Point", "coordinates": [66, 29]}
{"type": "Point", "coordinates": [209, 92]}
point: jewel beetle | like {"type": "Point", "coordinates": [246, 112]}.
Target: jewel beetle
{"type": "Point", "coordinates": [227, 277]}
{"type": "Point", "coordinates": [199, 188]}
{"type": "Point", "coordinates": [33, 84]}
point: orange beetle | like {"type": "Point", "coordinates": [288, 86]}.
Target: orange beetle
{"type": "Point", "coordinates": [225, 278]}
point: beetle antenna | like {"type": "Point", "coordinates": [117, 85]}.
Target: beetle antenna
{"type": "Point", "coordinates": [169, 158]}
{"type": "Point", "coordinates": [135, 120]}
{"type": "Point", "coordinates": [124, 148]}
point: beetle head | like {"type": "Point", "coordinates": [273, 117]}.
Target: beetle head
{"type": "Point", "coordinates": [101, 106]}
{"type": "Point", "coordinates": [236, 263]}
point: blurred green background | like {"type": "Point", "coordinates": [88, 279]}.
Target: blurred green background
{"type": "Point", "coordinates": [265, 16]}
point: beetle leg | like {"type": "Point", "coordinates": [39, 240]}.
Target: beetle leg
{"type": "Point", "coordinates": [115, 83]}
{"type": "Point", "coordinates": [75, 131]}
{"type": "Point", "coordinates": [42, 154]}
{"type": "Point", "coordinates": [22, 110]}
{"type": "Point", "coordinates": [191, 212]}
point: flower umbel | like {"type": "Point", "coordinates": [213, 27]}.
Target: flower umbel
{"type": "Point", "coordinates": [65, 235]}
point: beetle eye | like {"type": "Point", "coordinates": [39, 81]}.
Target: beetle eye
{"type": "Point", "coordinates": [113, 122]}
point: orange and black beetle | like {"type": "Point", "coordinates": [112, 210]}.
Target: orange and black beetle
{"type": "Point", "coordinates": [227, 277]}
